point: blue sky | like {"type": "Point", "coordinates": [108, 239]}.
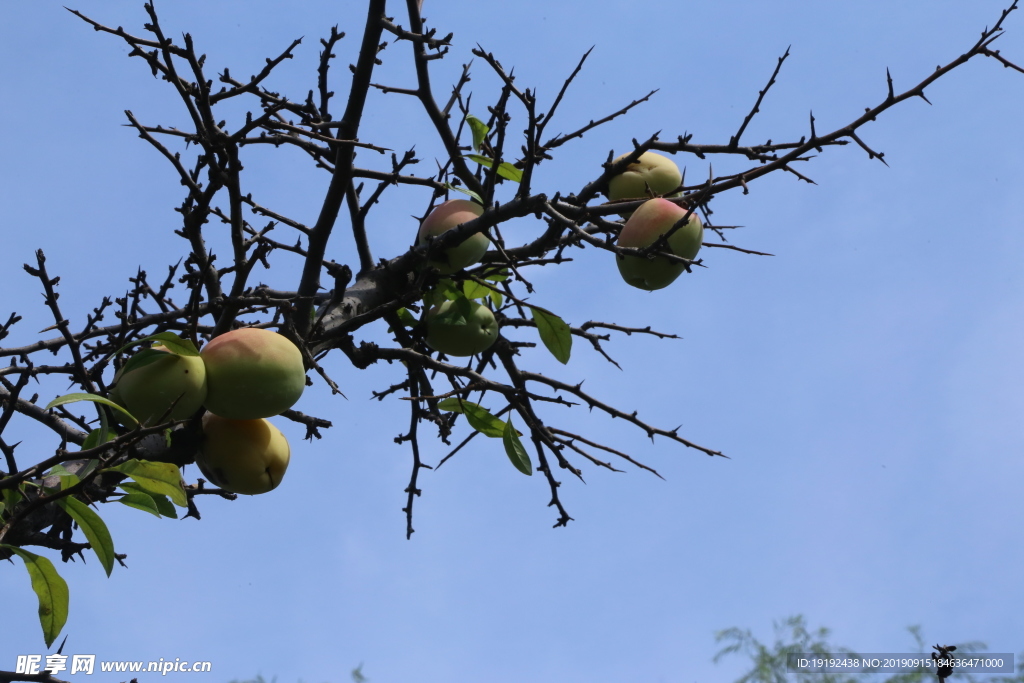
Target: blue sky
{"type": "Point", "coordinates": [866, 381]}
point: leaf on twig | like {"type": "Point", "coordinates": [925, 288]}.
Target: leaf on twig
{"type": "Point", "coordinates": [514, 449]}
{"type": "Point", "coordinates": [407, 318]}
{"type": "Point", "coordinates": [478, 417]}
{"type": "Point", "coordinates": [554, 332]}
{"type": "Point", "coordinates": [141, 499]}
{"type": "Point", "coordinates": [51, 590]}
{"type": "Point", "coordinates": [72, 398]}
{"type": "Point", "coordinates": [479, 130]}
{"type": "Point", "coordinates": [94, 528]}
{"type": "Point", "coordinates": [477, 198]}
{"type": "Point", "coordinates": [156, 477]}
{"type": "Point", "coordinates": [475, 290]}
{"type": "Point", "coordinates": [505, 169]}
{"type": "Point", "coordinates": [170, 341]}
{"type": "Point", "coordinates": [98, 437]}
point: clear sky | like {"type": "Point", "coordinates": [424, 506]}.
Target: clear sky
{"type": "Point", "coordinates": [867, 381]}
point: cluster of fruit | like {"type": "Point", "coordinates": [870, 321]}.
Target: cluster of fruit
{"type": "Point", "coordinates": [654, 174]}
{"type": "Point", "coordinates": [241, 378]}
{"type": "Point", "coordinates": [464, 327]}
{"type": "Point", "coordinates": [244, 376]}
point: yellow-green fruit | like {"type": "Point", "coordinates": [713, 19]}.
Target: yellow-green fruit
{"type": "Point", "coordinates": [252, 373]}
{"type": "Point", "coordinates": [243, 456]}
{"type": "Point", "coordinates": [653, 219]}
{"type": "Point", "coordinates": [443, 218]}
{"type": "Point", "coordinates": [149, 391]}
{"type": "Point", "coordinates": [461, 328]}
{"type": "Point", "coordinates": [652, 172]}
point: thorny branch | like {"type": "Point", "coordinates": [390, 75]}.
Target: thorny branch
{"type": "Point", "coordinates": [326, 310]}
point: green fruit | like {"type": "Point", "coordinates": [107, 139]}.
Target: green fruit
{"type": "Point", "coordinates": [443, 218]}
{"type": "Point", "coordinates": [252, 373]}
{"type": "Point", "coordinates": [461, 328]}
{"type": "Point", "coordinates": [148, 391]}
{"type": "Point", "coordinates": [652, 220]}
{"type": "Point", "coordinates": [243, 456]}
{"type": "Point", "coordinates": [651, 173]}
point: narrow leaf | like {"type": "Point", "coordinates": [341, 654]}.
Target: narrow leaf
{"type": "Point", "coordinates": [449, 290]}
{"type": "Point", "coordinates": [407, 318]}
{"type": "Point", "coordinates": [475, 290]}
{"type": "Point", "coordinates": [59, 470]}
{"type": "Point", "coordinates": [510, 172]}
{"type": "Point", "coordinates": [477, 198]}
{"type": "Point", "coordinates": [157, 502]}
{"type": "Point", "coordinates": [51, 590]}
{"type": "Point", "coordinates": [480, 159]}
{"type": "Point", "coordinates": [94, 528]}
{"type": "Point", "coordinates": [140, 501]}
{"type": "Point", "coordinates": [480, 419]}
{"type": "Point", "coordinates": [170, 341]}
{"type": "Point", "coordinates": [479, 130]}
{"type": "Point", "coordinates": [175, 344]}
{"type": "Point", "coordinates": [11, 497]}
{"type": "Point", "coordinates": [98, 437]}
{"type": "Point", "coordinates": [554, 333]}
{"type": "Point", "coordinates": [497, 275]}
{"type": "Point", "coordinates": [514, 449]}
{"type": "Point", "coordinates": [444, 290]}
{"type": "Point", "coordinates": [73, 398]}
{"type": "Point", "coordinates": [165, 506]}
{"type": "Point", "coordinates": [505, 169]}
{"type": "Point", "coordinates": [452, 405]}
{"type": "Point", "coordinates": [156, 477]}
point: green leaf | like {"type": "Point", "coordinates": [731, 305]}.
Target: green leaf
{"type": "Point", "coordinates": [477, 198]}
{"type": "Point", "coordinates": [510, 172]}
{"type": "Point", "coordinates": [51, 590]}
{"type": "Point", "coordinates": [478, 417]}
{"type": "Point", "coordinates": [89, 467]}
{"type": "Point", "coordinates": [73, 398]}
{"type": "Point", "coordinates": [11, 497]}
{"type": "Point", "coordinates": [475, 290]}
{"type": "Point", "coordinates": [514, 449]}
{"type": "Point", "coordinates": [156, 477]}
{"type": "Point", "coordinates": [59, 470]}
{"type": "Point", "coordinates": [480, 159]}
{"type": "Point", "coordinates": [497, 275]}
{"type": "Point", "coordinates": [170, 341]}
{"type": "Point", "coordinates": [479, 129]}
{"type": "Point", "coordinates": [444, 290]}
{"type": "Point", "coordinates": [407, 318]}
{"type": "Point", "coordinates": [158, 504]}
{"type": "Point", "coordinates": [452, 405]}
{"type": "Point", "coordinates": [449, 290]}
{"type": "Point", "coordinates": [94, 528]}
{"type": "Point", "coordinates": [554, 333]}
{"type": "Point", "coordinates": [458, 313]}
{"type": "Point", "coordinates": [496, 298]}
{"type": "Point", "coordinates": [165, 506]}
{"type": "Point", "coordinates": [140, 501]}
{"type": "Point", "coordinates": [98, 437]}
{"type": "Point", "coordinates": [505, 169]}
